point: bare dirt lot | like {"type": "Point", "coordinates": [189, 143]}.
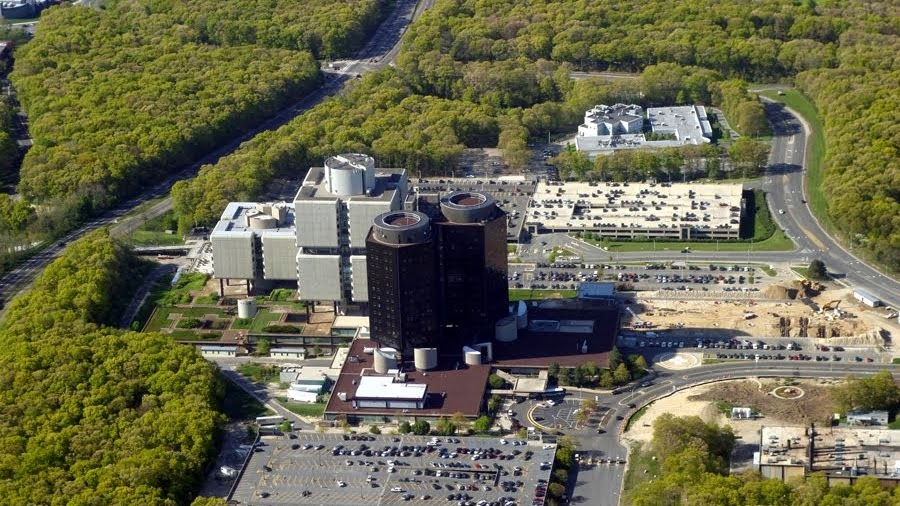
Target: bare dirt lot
{"type": "Point", "coordinates": [832, 316]}
{"type": "Point", "coordinates": [813, 406]}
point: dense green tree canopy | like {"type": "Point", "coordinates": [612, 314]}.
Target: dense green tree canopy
{"type": "Point", "coordinates": [93, 415]}
{"type": "Point", "coordinates": [8, 150]}
{"type": "Point", "coordinates": [120, 96]}
{"type": "Point", "coordinates": [878, 391]}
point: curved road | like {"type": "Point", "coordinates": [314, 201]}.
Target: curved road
{"type": "Point", "coordinates": [602, 485]}
{"type": "Point", "coordinates": [381, 49]}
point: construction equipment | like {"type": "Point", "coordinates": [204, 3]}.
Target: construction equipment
{"type": "Point", "coordinates": [831, 305]}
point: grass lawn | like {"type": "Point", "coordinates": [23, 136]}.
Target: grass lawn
{"type": "Point", "coordinates": [641, 468]}
{"type": "Point", "coordinates": [153, 238]}
{"type": "Point", "coordinates": [815, 150]}
{"type": "Point", "coordinates": [242, 323]}
{"type": "Point", "coordinates": [803, 271]}
{"type": "Point", "coordinates": [209, 298]}
{"type": "Point", "coordinates": [522, 294]}
{"type": "Point", "coordinates": [778, 242]}
{"type": "Point", "coordinates": [302, 408]}
{"type": "Point", "coordinates": [264, 318]}
{"type": "Point", "coordinates": [160, 318]}
{"type": "Point", "coordinates": [634, 418]}
{"type": "Point", "coordinates": [259, 373]}
{"type": "Point", "coordinates": [190, 335]}
{"type": "Point", "coordinates": [768, 270]}
{"type": "Point", "coordinates": [239, 405]}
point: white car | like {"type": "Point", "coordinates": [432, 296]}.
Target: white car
{"type": "Point", "coordinates": [341, 484]}
{"type": "Point", "coordinates": [781, 211]}
{"type": "Point", "coordinates": [396, 489]}
{"type": "Point", "coordinates": [503, 441]}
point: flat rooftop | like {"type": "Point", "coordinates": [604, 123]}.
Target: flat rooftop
{"type": "Point", "coordinates": [689, 123]}
{"type": "Point", "coordinates": [384, 387]}
{"type": "Point", "coordinates": [234, 219]}
{"type": "Point", "coordinates": [557, 333]}
{"type": "Point", "coordinates": [643, 206]}
{"type": "Point", "coordinates": [873, 451]}
{"type": "Point", "coordinates": [450, 390]}
{"type": "Point", "coordinates": [386, 183]}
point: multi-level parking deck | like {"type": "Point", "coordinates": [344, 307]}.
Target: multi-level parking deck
{"type": "Point", "coordinates": [638, 210]}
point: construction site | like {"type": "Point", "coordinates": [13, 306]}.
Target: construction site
{"type": "Point", "coordinates": [798, 309]}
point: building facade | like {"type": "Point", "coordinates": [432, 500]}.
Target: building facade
{"type": "Point", "coordinates": [402, 278]}
{"type": "Point", "coordinates": [335, 207]}
{"type": "Point", "coordinates": [472, 265]}
{"type": "Point", "coordinates": [609, 120]}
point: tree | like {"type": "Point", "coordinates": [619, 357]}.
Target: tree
{"type": "Point", "coordinates": [615, 358]}
{"type": "Point", "coordinates": [483, 424]}
{"type": "Point", "coordinates": [553, 370]}
{"type": "Point", "coordinates": [621, 375]}
{"type": "Point", "coordinates": [421, 428]}
{"type": "Point", "coordinates": [444, 427]}
{"type": "Point", "coordinates": [263, 346]}
{"type": "Point", "coordinates": [556, 490]}
{"type": "Point", "coordinates": [606, 378]}
{"type": "Point", "coordinates": [496, 382]}
{"type": "Point", "coordinates": [493, 403]}
{"type": "Point", "coordinates": [638, 364]}
{"type": "Point", "coordinates": [749, 155]}
{"type": "Point", "coordinates": [878, 391]}
{"type": "Point", "coordinates": [285, 427]}
{"type": "Point", "coordinates": [817, 270]}
{"type": "Point", "coordinates": [673, 435]}
{"type": "Point", "coordinates": [405, 428]}
{"type": "Point", "coordinates": [589, 405]}
{"type": "Point", "coordinates": [460, 421]}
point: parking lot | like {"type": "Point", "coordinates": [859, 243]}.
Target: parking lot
{"type": "Point", "coordinates": [786, 349]}
{"type": "Point", "coordinates": [512, 195]}
{"type": "Point", "coordinates": [352, 470]}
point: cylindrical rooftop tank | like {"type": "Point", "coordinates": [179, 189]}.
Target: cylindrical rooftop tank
{"type": "Point", "coordinates": [472, 356]}
{"type": "Point", "coordinates": [402, 227]}
{"type": "Point", "coordinates": [425, 359]}
{"type": "Point", "coordinates": [468, 207]}
{"type": "Point", "coordinates": [259, 221]}
{"type": "Point", "coordinates": [505, 329]}
{"type": "Point", "coordinates": [350, 174]}
{"type": "Point", "coordinates": [246, 308]}
{"type": "Point", "coordinates": [385, 360]}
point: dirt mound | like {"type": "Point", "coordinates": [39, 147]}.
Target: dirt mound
{"type": "Point", "coordinates": [780, 292]}
{"type": "Point", "coordinates": [814, 406]}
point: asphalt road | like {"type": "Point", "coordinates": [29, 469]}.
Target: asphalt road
{"type": "Point", "coordinates": [602, 484]}
{"type": "Point", "coordinates": [785, 188]}
{"type": "Point", "coordinates": [383, 46]}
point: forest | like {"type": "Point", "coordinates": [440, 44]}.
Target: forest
{"type": "Point", "coordinates": [120, 97]}
{"type": "Point", "coordinates": [90, 414]}
{"type": "Point", "coordinates": [513, 59]}
{"type": "Point", "coordinates": [8, 151]}
{"type": "Point", "coordinates": [693, 459]}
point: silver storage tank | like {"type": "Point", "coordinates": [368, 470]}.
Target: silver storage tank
{"type": "Point", "coordinates": [505, 329]}
{"type": "Point", "coordinates": [385, 360]}
{"type": "Point", "coordinates": [425, 359]}
{"type": "Point", "coordinates": [246, 308]}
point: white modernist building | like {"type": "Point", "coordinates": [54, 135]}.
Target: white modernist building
{"type": "Point", "coordinates": [609, 120]}
{"type": "Point", "coordinates": [255, 242]}
{"type": "Point", "coordinates": [318, 240]}
{"type": "Point", "coordinates": [336, 206]}
{"type": "Point", "coordinates": [610, 128]}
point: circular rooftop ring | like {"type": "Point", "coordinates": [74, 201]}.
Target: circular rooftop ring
{"type": "Point", "coordinates": [402, 227]}
{"type": "Point", "coordinates": [468, 206]}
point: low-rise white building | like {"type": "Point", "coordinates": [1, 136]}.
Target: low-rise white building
{"type": "Point", "coordinates": [609, 120]}
{"type": "Point", "coordinates": [689, 124]}
{"type": "Point", "coordinates": [298, 353]}
{"type": "Point", "coordinates": [214, 350]}
{"type": "Point", "coordinates": [388, 392]}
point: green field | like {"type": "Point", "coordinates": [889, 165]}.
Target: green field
{"type": "Point", "coordinates": [160, 318]}
{"type": "Point", "coordinates": [520, 294]}
{"type": "Point", "coordinates": [264, 318]}
{"type": "Point", "coordinates": [642, 467]}
{"type": "Point", "coordinates": [777, 242]}
{"type": "Point", "coordinates": [815, 153]}
{"type": "Point", "coordinates": [302, 408]}
{"type": "Point", "coordinates": [259, 373]}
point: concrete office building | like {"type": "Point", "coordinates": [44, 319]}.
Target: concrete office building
{"type": "Point", "coordinates": [609, 120]}
{"type": "Point", "coordinates": [335, 207]}
{"type": "Point", "coordinates": [472, 265]}
{"type": "Point", "coordinates": [688, 124]}
{"type": "Point", "coordinates": [254, 243]}
{"type": "Point", "coordinates": [403, 307]}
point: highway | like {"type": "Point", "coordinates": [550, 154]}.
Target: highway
{"type": "Point", "coordinates": [786, 190]}
{"type": "Point", "coordinates": [381, 48]}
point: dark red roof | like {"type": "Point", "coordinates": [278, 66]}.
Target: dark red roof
{"type": "Point", "coordinates": [540, 349]}
{"type": "Point", "coordinates": [449, 390]}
